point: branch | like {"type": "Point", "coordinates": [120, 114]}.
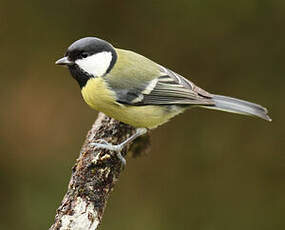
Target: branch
{"type": "Point", "coordinates": [94, 176]}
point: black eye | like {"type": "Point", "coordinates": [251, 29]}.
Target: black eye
{"type": "Point", "coordinates": [84, 55]}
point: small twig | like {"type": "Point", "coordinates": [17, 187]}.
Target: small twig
{"type": "Point", "coordinates": [93, 177]}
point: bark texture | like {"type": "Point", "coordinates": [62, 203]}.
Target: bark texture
{"type": "Point", "coordinates": [94, 176]}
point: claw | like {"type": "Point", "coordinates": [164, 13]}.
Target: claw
{"type": "Point", "coordinates": [99, 141]}
{"type": "Point", "coordinates": [122, 159]}
{"type": "Point", "coordinates": [108, 146]}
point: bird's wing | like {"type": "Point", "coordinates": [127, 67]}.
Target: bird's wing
{"type": "Point", "coordinates": [169, 88]}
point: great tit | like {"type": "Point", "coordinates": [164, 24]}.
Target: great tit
{"type": "Point", "coordinates": [137, 91]}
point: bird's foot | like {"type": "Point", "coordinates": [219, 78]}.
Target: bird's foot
{"type": "Point", "coordinates": [115, 148]}
{"type": "Point", "coordinates": [118, 148]}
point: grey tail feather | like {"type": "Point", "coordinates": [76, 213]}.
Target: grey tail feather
{"type": "Point", "coordinates": [234, 105]}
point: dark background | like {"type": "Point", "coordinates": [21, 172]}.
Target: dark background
{"type": "Point", "coordinates": [206, 170]}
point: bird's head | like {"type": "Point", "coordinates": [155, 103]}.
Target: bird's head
{"type": "Point", "coordinates": [89, 57]}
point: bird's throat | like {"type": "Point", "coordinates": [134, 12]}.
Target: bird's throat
{"type": "Point", "coordinates": [79, 75]}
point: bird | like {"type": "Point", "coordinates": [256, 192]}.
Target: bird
{"type": "Point", "coordinates": [137, 91]}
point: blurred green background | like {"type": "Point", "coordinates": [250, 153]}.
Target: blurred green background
{"type": "Point", "coordinates": [206, 170]}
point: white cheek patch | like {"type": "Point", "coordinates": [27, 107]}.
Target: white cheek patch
{"type": "Point", "coordinates": [96, 64]}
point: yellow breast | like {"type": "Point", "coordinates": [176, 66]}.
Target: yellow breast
{"type": "Point", "coordinates": [97, 95]}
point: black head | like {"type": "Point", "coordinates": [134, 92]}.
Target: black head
{"type": "Point", "coordinates": [89, 57]}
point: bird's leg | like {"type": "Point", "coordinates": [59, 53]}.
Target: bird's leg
{"type": "Point", "coordinates": [118, 148]}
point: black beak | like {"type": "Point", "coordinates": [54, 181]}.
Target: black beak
{"type": "Point", "coordinates": [63, 61]}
